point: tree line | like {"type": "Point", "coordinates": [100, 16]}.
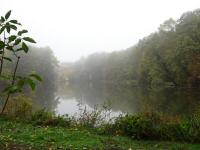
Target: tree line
{"type": "Point", "coordinates": [169, 57]}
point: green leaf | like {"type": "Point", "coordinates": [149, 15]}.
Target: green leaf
{"type": "Point", "coordinates": [13, 27]}
{"type": "Point", "coordinates": [6, 58]}
{"type": "Point", "coordinates": [14, 21]}
{"type": "Point", "coordinates": [28, 39]}
{"type": "Point", "coordinates": [12, 38]}
{"type": "Point", "coordinates": [8, 29]}
{"type": "Point", "coordinates": [17, 41]}
{"type": "Point", "coordinates": [35, 76]}
{"type": "Point", "coordinates": [2, 44]}
{"type": "Point", "coordinates": [2, 19]}
{"type": "Point", "coordinates": [22, 32]}
{"type": "Point", "coordinates": [24, 47]}
{"type": "Point", "coordinates": [2, 29]}
{"type": "Point", "coordinates": [11, 89]}
{"type": "Point", "coordinates": [31, 83]}
{"type": "Point", "coordinates": [8, 14]}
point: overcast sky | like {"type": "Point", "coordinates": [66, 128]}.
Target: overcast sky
{"type": "Point", "coordinates": [75, 28]}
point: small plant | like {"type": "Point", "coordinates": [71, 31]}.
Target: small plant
{"type": "Point", "coordinates": [12, 44]}
{"type": "Point", "coordinates": [93, 117]}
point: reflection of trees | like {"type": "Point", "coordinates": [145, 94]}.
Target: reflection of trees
{"type": "Point", "coordinates": [174, 101]}
{"type": "Point", "coordinates": [132, 100]}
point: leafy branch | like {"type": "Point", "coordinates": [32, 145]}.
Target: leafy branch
{"type": "Point", "coordinates": [14, 43]}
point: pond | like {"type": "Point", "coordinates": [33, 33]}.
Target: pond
{"type": "Point", "coordinates": [127, 99]}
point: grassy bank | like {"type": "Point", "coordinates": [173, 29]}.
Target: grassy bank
{"type": "Point", "coordinates": [18, 134]}
{"type": "Point", "coordinates": [90, 129]}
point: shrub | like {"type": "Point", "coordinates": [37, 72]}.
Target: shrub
{"type": "Point", "coordinates": [41, 116]}
{"type": "Point", "coordinates": [94, 117]}
{"type": "Point", "coordinates": [45, 118]}
{"type": "Point", "coordinates": [155, 126]}
{"type": "Point", "coordinates": [136, 126]}
{"type": "Point", "coordinates": [19, 106]}
{"type": "Point", "coordinates": [172, 132]}
{"type": "Point", "coordinates": [107, 129]}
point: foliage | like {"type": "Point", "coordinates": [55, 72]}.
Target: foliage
{"type": "Point", "coordinates": [13, 41]}
{"type": "Point", "coordinates": [41, 116]}
{"type": "Point", "coordinates": [26, 136]}
{"type": "Point", "coordinates": [168, 57]}
{"type": "Point", "coordinates": [94, 117]}
{"type": "Point", "coordinates": [148, 125]}
{"type": "Point", "coordinates": [42, 61]}
{"type": "Point", "coordinates": [155, 127]}
{"type": "Point", "coordinates": [136, 127]}
{"type": "Point", "coordinates": [84, 118]}
{"type": "Point", "coordinates": [46, 118]}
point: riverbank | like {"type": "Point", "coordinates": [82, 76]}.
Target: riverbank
{"type": "Point", "coordinates": [23, 135]}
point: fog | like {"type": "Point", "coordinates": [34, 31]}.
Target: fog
{"type": "Point", "coordinates": [75, 28]}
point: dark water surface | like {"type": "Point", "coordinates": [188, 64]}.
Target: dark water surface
{"type": "Point", "coordinates": [127, 99]}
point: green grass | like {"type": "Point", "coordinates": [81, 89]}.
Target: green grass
{"type": "Point", "coordinates": [27, 136]}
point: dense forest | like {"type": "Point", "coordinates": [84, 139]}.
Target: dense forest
{"type": "Point", "coordinates": [167, 57]}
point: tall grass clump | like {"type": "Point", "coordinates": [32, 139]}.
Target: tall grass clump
{"type": "Point", "coordinates": [95, 117]}
{"type": "Point", "coordinates": [19, 106]}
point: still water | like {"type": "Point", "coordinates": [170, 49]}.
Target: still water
{"type": "Point", "coordinates": [126, 99]}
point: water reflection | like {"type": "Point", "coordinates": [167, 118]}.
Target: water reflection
{"type": "Point", "coordinates": [69, 106]}
{"type": "Point", "coordinates": [128, 99]}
